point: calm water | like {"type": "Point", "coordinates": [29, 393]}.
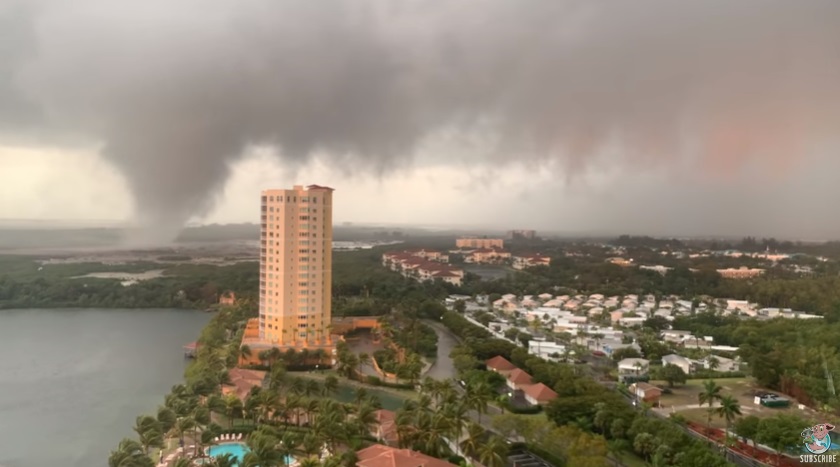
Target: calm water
{"type": "Point", "coordinates": [389, 401]}
{"type": "Point", "coordinates": [73, 381]}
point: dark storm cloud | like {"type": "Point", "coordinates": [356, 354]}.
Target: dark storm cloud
{"type": "Point", "coordinates": [177, 90]}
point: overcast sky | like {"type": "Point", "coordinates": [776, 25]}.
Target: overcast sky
{"type": "Point", "coordinates": [652, 116]}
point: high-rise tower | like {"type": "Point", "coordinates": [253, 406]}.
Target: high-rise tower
{"type": "Point", "coordinates": [296, 266]}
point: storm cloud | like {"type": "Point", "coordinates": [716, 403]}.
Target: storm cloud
{"type": "Point", "coordinates": [177, 91]}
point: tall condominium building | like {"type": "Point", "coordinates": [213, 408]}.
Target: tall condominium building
{"type": "Point", "coordinates": [296, 266]}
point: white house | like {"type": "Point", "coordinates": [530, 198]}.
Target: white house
{"type": "Point", "coordinates": [724, 364]}
{"type": "Point", "coordinates": [633, 367]}
{"type": "Point", "coordinates": [684, 363]}
{"type": "Point", "coordinates": [545, 349]}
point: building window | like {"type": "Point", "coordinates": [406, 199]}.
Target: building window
{"type": "Point", "coordinates": [302, 335]}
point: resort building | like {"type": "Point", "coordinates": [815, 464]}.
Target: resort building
{"type": "Point", "coordinates": [467, 243]}
{"type": "Point", "coordinates": [296, 266]}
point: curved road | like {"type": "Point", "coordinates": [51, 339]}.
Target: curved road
{"type": "Point", "coordinates": [443, 367]}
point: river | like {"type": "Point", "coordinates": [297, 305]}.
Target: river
{"type": "Point", "coordinates": [73, 381]}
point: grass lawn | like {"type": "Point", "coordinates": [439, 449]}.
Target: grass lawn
{"type": "Point", "coordinates": [630, 459]}
{"type": "Point", "coordinates": [686, 394]}
{"type": "Point", "coordinates": [700, 415]}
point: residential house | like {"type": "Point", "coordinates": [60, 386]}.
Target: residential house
{"type": "Point", "coordinates": [380, 455]}
{"type": "Point", "coordinates": [517, 379]}
{"type": "Point", "coordinates": [675, 336]}
{"type": "Point", "coordinates": [633, 369]}
{"type": "Point", "coordinates": [722, 364]}
{"type": "Point", "coordinates": [685, 364]}
{"type": "Point", "coordinates": [704, 343]}
{"type": "Point", "coordinates": [538, 394]}
{"type": "Point", "coordinates": [500, 365]}
{"type": "Point", "coordinates": [645, 391]}
{"type": "Point", "coordinates": [545, 349]}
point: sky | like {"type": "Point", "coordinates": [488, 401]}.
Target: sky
{"type": "Point", "coordinates": [648, 117]}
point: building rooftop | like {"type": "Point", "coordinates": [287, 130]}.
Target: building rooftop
{"type": "Point", "coordinates": [380, 455]}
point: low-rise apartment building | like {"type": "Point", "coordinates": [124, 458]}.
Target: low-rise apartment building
{"type": "Point", "coordinates": [412, 265]}
{"type": "Point", "coordinates": [530, 260]}
{"type": "Point", "coordinates": [487, 256]}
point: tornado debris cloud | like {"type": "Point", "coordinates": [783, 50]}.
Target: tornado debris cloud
{"type": "Point", "coordinates": [176, 91]}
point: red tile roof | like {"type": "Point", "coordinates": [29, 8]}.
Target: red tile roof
{"type": "Point", "coordinates": [379, 455]}
{"type": "Point", "coordinates": [500, 363]}
{"type": "Point", "coordinates": [519, 376]}
{"type": "Point", "coordinates": [540, 392]}
{"type": "Point", "coordinates": [387, 426]}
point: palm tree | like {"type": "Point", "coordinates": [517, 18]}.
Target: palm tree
{"type": "Point", "coordinates": [263, 452]}
{"type": "Point", "coordinates": [288, 445]}
{"type": "Point", "coordinates": [150, 432]}
{"type": "Point", "coordinates": [166, 417]}
{"type": "Point", "coordinates": [245, 351]}
{"type": "Point", "coordinates": [224, 460]}
{"type": "Point", "coordinates": [330, 385]}
{"type": "Point", "coordinates": [182, 462]}
{"type": "Point", "coordinates": [310, 462]}
{"type": "Point", "coordinates": [728, 410]}
{"type": "Point", "coordinates": [710, 394]}
{"type": "Point", "coordinates": [494, 452]}
{"type": "Point", "coordinates": [471, 444]}
{"type": "Point", "coordinates": [477, 398]}
{"type": "Point", "coordinates": [129, 453]}
{"type": "Point", "coordinates": [233, 407]}
{"type": "Point", "coordinates": [365, 418]}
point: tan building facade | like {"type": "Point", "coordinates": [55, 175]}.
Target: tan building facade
{"type": "Point", "coordinates": [296, 266]}
{"type": "Point", "coordinates": [478, 242]}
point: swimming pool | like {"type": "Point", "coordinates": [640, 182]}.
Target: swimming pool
{"type": "Point", "coordinates": [237, 450]}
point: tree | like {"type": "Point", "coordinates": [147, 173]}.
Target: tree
{"type": "Point", "coordinates": [673, 375]}
{"type": "Point", "coordinates": [710, 394]}
{"type": "Point", "coordinates": [150, 432]}
{"type": "Point", "coordinates": [471, 444]}
{"type": "Point", "coordinates": [224, 460]}
{"type": "Point", "coordinates": [129, 453]}
{"type": "Point", "coordinates": [494, 452]}
{"type": "Point", "coordinates": [780, 432]}
{"type": "Point", "coordinates": [330, 385]}
{"type": "Point", "coordinates": [747, 427]}
{"type": "Point", "coordinates": [263, 452]}
{"type": "Point", "coordinates": [728, 410]}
